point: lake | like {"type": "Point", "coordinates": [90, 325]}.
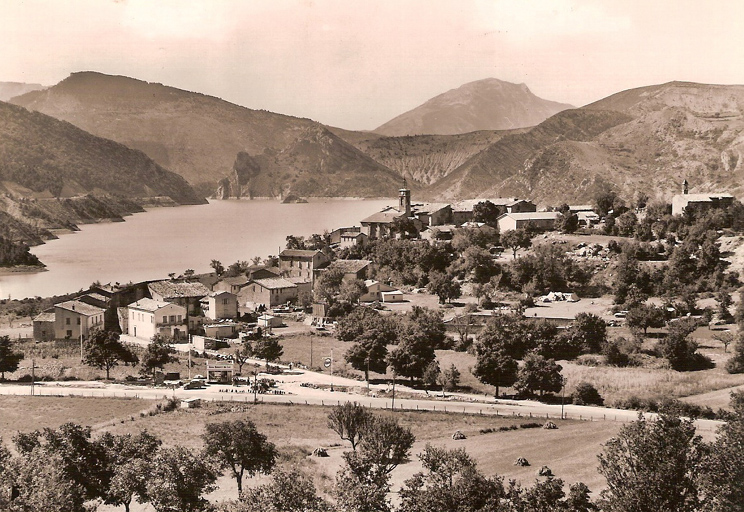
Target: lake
{"type": "Point", "coordinates": [153, 244]}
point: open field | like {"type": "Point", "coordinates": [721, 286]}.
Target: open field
{"type": "Point", "coordinates": [570, 451]}
{"type": "Point", "coordinates": [25, 413]}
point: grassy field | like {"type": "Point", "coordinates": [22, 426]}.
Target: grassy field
{"type": "Point", "coordinates": [25, 413]}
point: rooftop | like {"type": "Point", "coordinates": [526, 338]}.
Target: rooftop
{"type": "Point", "coordinates": [273, 283]}
{"type": "Point", "coordinates": [428, 207]}
{"type": "Point", "coordinates": [46, 316]}
{"type": "Point", "coordinates": [149, 305]}
{"type": "Point", "coordinates": [704, 197]}
{"type": "Point", "coordinates": [173, 289]}
{"type": "Point", "coordinates": [80, 307]}
{"type": "Point", "coordinates": [467, 205]}
{"type": "Point", "coordinates": [386, 216]}
{"type": "Point", "coordinates": [532, 215]}
{"type": "Point", "coordinates": [298, 253]}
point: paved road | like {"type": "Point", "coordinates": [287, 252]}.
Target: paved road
{"type": "Point", "coordinates": [299, 388]}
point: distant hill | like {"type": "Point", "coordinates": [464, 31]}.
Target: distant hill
{"type": "Point", "coordinates": [488, 104]}
{"type": "Point", "coordinates": [422, 159]}
{"type": "Point", "coordinates": [54, 174]}
{"type": "Point", "coordinates": [11, 89]}
{"type": "Point", "coordinates": [199, 137]}
{"type": "Point", "coordinates": [641, 140]}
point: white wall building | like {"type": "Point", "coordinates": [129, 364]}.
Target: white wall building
{"type": "Point", "coordinates": [148, 317]}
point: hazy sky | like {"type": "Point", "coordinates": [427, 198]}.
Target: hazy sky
{"type": "Point", "coordinates": [356, 64]}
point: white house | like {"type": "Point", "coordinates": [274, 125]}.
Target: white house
{"type": "Point", "coordinates": [375, 289]}
{"type": "Point", "coordinates": [148, 317]}
{"type": "Point", "coordinates": [73, 319]}
{"type": "Point", "coordinates": [541, 220]}
{"type": "Point", "coordinates": [220, 305]}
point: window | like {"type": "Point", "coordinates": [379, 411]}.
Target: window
{"type": "Point", "coordinates": [67, 321]}
{"type": "Point", "coordinates": [180, 319]}
{"type": "Point", "coordinates": [69, 333]}
{"type": "Point", "coordinates": [165, 319]}
{"type": "Point", "coordinates": [225, 302]}
{"type": "Point", "coordinates": [173, 318]}
{"type": "Point", "coordinates": [78, 320]}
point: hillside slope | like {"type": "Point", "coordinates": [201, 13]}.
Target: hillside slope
{"type": "Point", "coordinates": [199, 137]}
{"type": "Point", "coordinates": [54, 175]}
{"type": "Point", "coordinates": [642, 140]}
{"type": "Point", "coordinates": [422, 159]}
{"type": "Point", "coordinates": [488, 104]}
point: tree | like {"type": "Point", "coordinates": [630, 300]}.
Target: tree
{"type": "Point", "coordinates": [218, 267]}
{"type": "Point", "coordinates": [349, 421]}
{"type": "Point", "coordinates": [177, 481]}
{"type": "Point", "coordinates": [538, 374]}
{"type": "Point", "coordinates": [425, 324]}
{"type": "Point", "coordinates": [516, 239]}
{"type": "Point", "coordinates": [41, 484]}
{"type": "Point", "coordinates": [739, 313]}
{"type": "Point", "coordinates": [735, 364]}
{"type": "Point", "coordinates": [452, 482]}
{"type": "Point", "coordinates": [431, 375]}
{"type": "Point", "coordinates": [328, 285]}
{"type": "Point", "coordinates": [567, 222]}
{"type": "Point", "coordinates": [680, 350]}
{"type": "Point", "coordinates": [586, 394]}
{"type": "Point", "coordinates": [104, 351]}
{"type": "Point", "coordinates": [726, 338]}
{"type": "Point", "coordinates": [385, 443]}
{"type": "Point", "coordinates": [722, 475]}
{"type": "Point", "coordinates": [412, 355]}
{"type": "Point", "coordinates": [239, 447]}
{"type": "Point", "coordinates": [268, 349]}
{"type": "Point", "coordinates": [450, 378]}
{"type": "Point", "coordinates": [242, 354]}
{"type": "Point", "coordinates": [652, 465]}
{"type": "Point", "coordinates": [592, 331]}
{"type": "Point", "coordinates": [127, 460]}
{"type": "Point", "coordinates": [644, 316]}
{"type": "Point", "coordinates": [159, 352]}
{"type": "Point", "coordinates": [486, 212]}
{"type": "Point", "coordinates": [9, 360]}
{"type": "Point", "coordinates": [352, 291]}
{"type": "Point", "coordinates": [290, 490]}
{"type": "Point", "coordinates": [494, 365]}
{"type": "Point", "coordinates": [372, 333]}
{"type": "Point", "coordinates": [443, 286]}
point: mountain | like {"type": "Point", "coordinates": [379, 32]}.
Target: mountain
{"type": "Point", "coordinates": [55, 174]}
{"type": "Point", "coordinates": [488, 104]}
{"type": "Point", "coordinates": [200, 137]}
{"type": "Point", "coordinates": [10, 89]}
{"type": "Point", "coordinates": [640, 140]}
{"type": "Point", "coordinates": [422, 159]}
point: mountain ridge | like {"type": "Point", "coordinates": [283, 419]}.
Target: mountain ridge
{"type": "Point", "coordinates": [487, 104]}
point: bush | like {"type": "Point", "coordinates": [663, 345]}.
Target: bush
{"type": "Point", "coordinates": [586, 394]}
{"type": "Point", "coordinates": [530, 425]}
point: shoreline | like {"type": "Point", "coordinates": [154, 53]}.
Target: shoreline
{"type": "Point", "coordinates": [22, 269]}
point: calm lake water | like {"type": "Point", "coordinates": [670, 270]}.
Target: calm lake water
{"type": "Point", "coordinates": [151, 245]}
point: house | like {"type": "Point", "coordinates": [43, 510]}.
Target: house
{"type": "Point", "coordinates": [95, 299]}
{"type": "Point", "coordinates": [699, 202]}
{"type": "Point", "coordinates": [352, 269]}
{"type": "Point", "coordinates": [263, 272]}
{"type": "Point", "coordinates": [44, 325]}
{"type": "Point", "coordinates": [347, 237]}
{"type": "Point", "coordinates": [220, 305]}
{"type": "Point", "coordinates": [432, 214]}
{"type": "Point", "coordinates": [75, 319]}
{"type": "Point", "coordinates": [269, 292]}
{"type": "Point", "coordinates": [462, 211]}
{"type": "Point", "coordinates": [587, 219]}
{"type": "Point", "coordinates": [231, 284]}
{"type": "Point", "coordinates": [351, 239]}
{"type": "Point", "coordinates": [375, 289]}
{"type": "Point", "coordinates": [148, 317]}
{"type": "Point", "coordinates": [184, 293]}
{"type": "Point", "coordinates": [392, 296]}
{"type": "Point", "coordinates": [269, 321]}
{"type": "Point", "coordinates": [300, 262]}
{"type": "Point", "coordinates": [221, 330]}
{"type": "Point", "coordinates": [540, 220]}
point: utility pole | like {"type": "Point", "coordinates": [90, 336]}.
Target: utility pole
{"type": "Point", "coordinates": [311, 353]}
{"type": "Point", "coordinates": [393, 407]}
{"type": "Point", "coordinates": [367, 374]}
{"type": "Point", "coordinates": [190, 346]}
{"type": "Point", "coordinates": [33, 375]}
{"type": "Point", "coordinates": [564, 380]}
{"type": "Point", "coordinates": [81, 343]}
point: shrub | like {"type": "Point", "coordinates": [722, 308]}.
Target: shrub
{"type": "Point", "coordinates": [586, 394]}
{"type": "Point", "coordinates": [530, 425]}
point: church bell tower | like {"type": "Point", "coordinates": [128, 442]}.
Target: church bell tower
{"type": "Point", "coordinates": [404, 199]}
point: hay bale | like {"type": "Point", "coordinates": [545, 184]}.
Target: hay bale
{"type": "Point", "coordinates": [521, 461]}
{"type": "Point", "coordinates": [549, 425]}
{"type": "Point", "coordinates": [458, 436]}
{"type": "Point", "coordinates": [320, 452]}
{"type": "Point", "coordinates": [544, 471]}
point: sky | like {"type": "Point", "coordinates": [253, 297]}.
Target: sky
{"type": "Point", "coordinates": [356, 64]}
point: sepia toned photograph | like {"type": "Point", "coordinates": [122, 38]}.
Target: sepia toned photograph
{"type": "Point", "coordinates": [371, 256]}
